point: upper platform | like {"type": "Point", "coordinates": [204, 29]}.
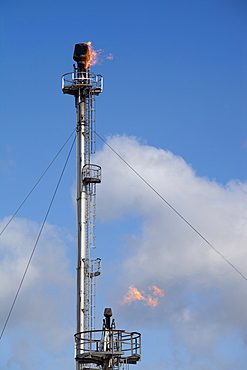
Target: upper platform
{"type": "Point", "coordinates": [74, 81]}
{"type": "Point", "coordinates": [119, 346]}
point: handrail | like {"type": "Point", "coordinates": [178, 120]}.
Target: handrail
{"type": "Point", "coordinates": [82, 78]}
{"type": "Point", "coordinates": [91, 171]}
{"type": "Point", "coordinates": [129, 344]}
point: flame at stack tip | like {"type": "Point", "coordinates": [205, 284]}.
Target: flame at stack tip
{"type": "Point", "coordinates": [134, 294]}
{"type": "Point", "coordinates": [86, 56]}
{"type": "Point", "coordinates": [94, 55]}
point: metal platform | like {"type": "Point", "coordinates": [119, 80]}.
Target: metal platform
{"type": "Point", "coordinates": [74, 81]}
{"type": "Point", "coordinates": [120, 346]}
{"type": "Point", "coordinates": [91, 173]}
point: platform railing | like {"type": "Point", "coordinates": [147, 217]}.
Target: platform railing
{"type": "Point", "coordinates": [112, 342]}
{"type": "Point", "coordinates": [91, 173]}
{"type": "Point", "coordinates": [82, 78]}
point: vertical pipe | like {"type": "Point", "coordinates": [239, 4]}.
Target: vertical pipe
{"type": "Point", "coordinates": [83, 86]}
{"type": "Point", "coordinates": [81, 210]}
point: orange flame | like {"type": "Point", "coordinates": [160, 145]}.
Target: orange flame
{"type": "Point", "coordinates": [134, 294]}
{"type": "Point", "coordinates": [153, 302]}
{"type": "Point", "coordinates": [94, 56]}
{"type": "Point", "coordinates": [86, 62]}
{"type": "Point", "coordinates": [157, 291]}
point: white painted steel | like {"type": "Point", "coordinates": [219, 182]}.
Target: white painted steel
{"type": "Point", "coordinates": [115, 349]}
{"type": "Point", "coordinates": [81, 211]}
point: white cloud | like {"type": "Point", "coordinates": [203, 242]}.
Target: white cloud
{"type": "Point", "coordinates": [205, 299]}
{"type": "Point", "coordinates": [41, 324]}
{"type": "Point", "coordinates": [204, 305]}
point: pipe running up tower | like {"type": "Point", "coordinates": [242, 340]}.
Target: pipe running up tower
{"type": "Point", "coordinates": [108, 348]}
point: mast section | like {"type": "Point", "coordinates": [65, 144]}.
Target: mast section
{"type": "Point", "coordinates": [109, 348]}
{"type": "Point", "coordinates": [84, 85]}
{"type": "Point", "coordinates": [87, 177]}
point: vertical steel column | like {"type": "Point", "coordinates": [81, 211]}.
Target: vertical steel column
{"type": "Point", "coordinates": [84, 86]}
{"type": "Point", "coordinates": [81, 208]}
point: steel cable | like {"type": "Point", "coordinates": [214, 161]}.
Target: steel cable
{"type": "Point", "coordinates": [37, 240]}
{"type": "Point", "coordinates": [28, 195]}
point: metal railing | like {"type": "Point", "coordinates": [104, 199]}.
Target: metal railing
{"type": "Point", "coordinates": [91, 173]}
{"type": "Point", "coordinates": [112, 342]}
{"type": "Point", "coordinates": [82, 78]}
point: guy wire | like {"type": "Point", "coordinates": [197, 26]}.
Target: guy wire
{"type": "Point", "coordinates": [37, 240]}
{"type": "Point", "coordinates": [174, 209]}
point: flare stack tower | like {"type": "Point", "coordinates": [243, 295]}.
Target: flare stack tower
{"type": "Point", "coordinates": [108, 348]}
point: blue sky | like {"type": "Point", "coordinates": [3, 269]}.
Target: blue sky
{"type": "Point", "coordinates": [174, 106]}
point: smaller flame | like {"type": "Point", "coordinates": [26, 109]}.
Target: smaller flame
{"type": "Point", "coordinates": [153, 302]}
{"type": "Point", "coordinates": [134, 294]}
{"type": "Point", "coordinates": [157, 291]}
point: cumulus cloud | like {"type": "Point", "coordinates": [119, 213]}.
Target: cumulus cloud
{"type": "Point", "coordinates": [41, 324]}
{"type": "Point", "coordinates": [200, 321]}
{"type": "Point", "coordinates": [205, 299]}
